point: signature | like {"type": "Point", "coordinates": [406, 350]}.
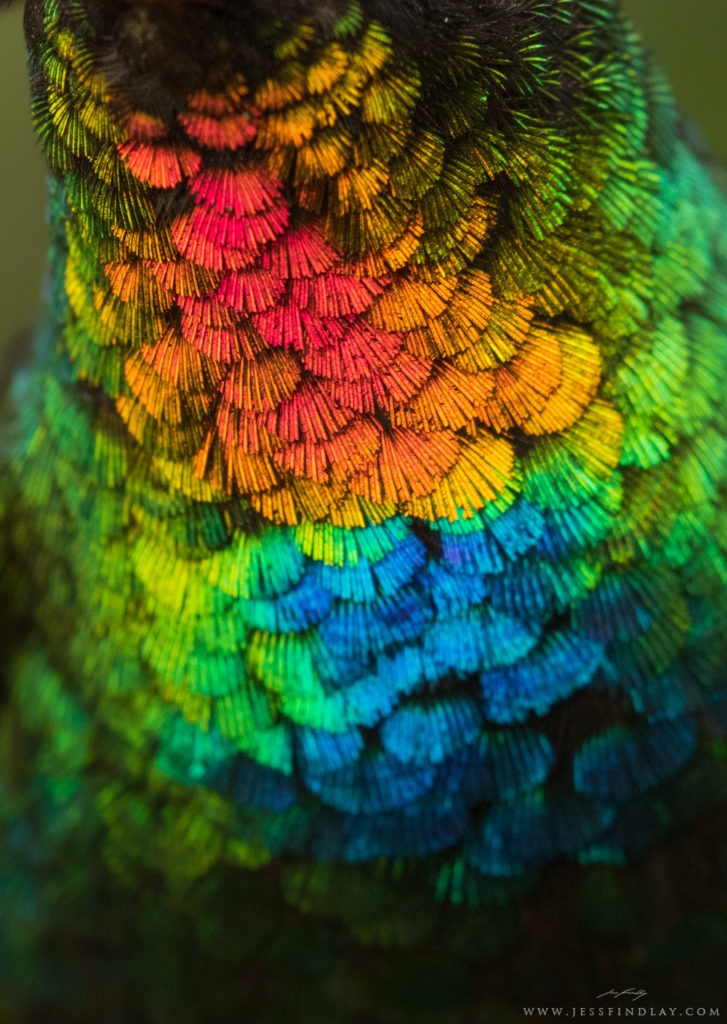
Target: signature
{"type": "Point", "coordinates": [634, 993]}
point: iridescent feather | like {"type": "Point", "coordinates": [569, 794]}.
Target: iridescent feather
{"type": "Point", "coordinates": [363, 516]}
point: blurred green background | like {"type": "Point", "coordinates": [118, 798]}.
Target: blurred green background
{"type": "Point", "coordinates": [688, 36]}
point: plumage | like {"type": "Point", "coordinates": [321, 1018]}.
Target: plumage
{"type": "Point", "coordinates": [364, 533]}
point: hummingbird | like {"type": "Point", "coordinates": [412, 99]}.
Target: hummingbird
{"type": "Point", "coordinates": [363, 528]}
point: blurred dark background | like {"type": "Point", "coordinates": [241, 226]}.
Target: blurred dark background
{"type": "Point", "coordinates": [688, 36]}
